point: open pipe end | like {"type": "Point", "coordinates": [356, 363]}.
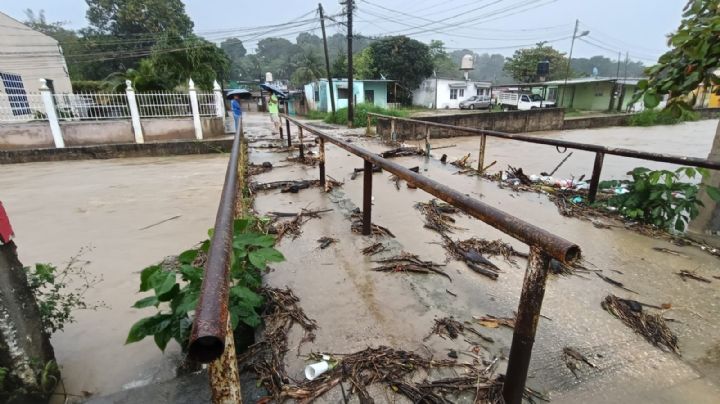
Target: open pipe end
{"type": "Point", "coordinates": [572, 254]}
{"type": "Point", "coordinates": [206, 349]}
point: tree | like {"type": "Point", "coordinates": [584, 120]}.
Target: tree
{"type": "Point", "coordinates": [363, 65]}
{"type": "Point", "coordinates": [606, 67]}
{"type": "Point", "coordinates": [443, 64]}
{"type": "Point", "coordinates": [694, 60]}
{"type": "Point", "coordinates": [339, 67]}
{"type": "Point", "coordinates": [178, 59]}
{"type": "Point", "coordinates": [402, 59]}
{"type": "Point", "coordinates": [522, 66]}
{"type": "Point", "coordinates": [235, 51]}
{"type": "Point", "coordinates": [125, 18]}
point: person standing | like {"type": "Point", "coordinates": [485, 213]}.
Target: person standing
{"type": "Point", "coordinates": [274, 110]}
{"type": "Point", "coordinates": [236, 109]}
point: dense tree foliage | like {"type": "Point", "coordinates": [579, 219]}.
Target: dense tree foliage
{"type": "Point", "coordinates": [125, 18]}
{"type": "Point", "coordinates": [522, 66]}
{"type": "Point", "coordinates": [402, 59]}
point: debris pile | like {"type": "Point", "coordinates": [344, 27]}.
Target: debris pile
{"type": "Point", "coordinates": [685, 275]}
{"type": "Point", "coordinates": [374, 249]}
{"type": "Point", "coordinates": [437, 216]}
{"type": "Point", "coordinates": [403, 152]}
{"type": "Point", "coordinates": [650, 326]}
{"type": "Point", "coordinates": [294, 186]}
{"type": "Point", "coordinates": [471, 257]}
{"type": "Point", "coordinates": [492, 248]}
{"type": "Point", "coordinates": [406, 262]}
{"type": "Point", "coordinates": [325, 242]}
{"type": "Point", "coordinates": [574, 360]}
{"type": "Point", "coordinates": [448, 326]}
{"type": "Point", "coordinates": [495, 322]}
{"type": "Point", "coordinates": [294, 225]}
{"type": "Point", "coordinates": [255, 169]}
{"type": "Point", "coordinates": [306, 160]}
{"type": "Point", "coordinates": [356, 226]}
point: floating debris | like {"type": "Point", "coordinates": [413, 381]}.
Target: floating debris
{"type": "Point", "coordinates": [306, 160]}
{"type": "Point", "coordinates": [402, 152]}
{"type": "Point", "coordinates": [574, 359]}
{"type": "Point", "coordinates": [255, 169]}
{"type": "Point", "coordinates": [397, 179]}
{"type": "Point", "coordinates": [292, 186]}
{"type": "Point", "coordinates": [356, 226]}
{"type": "Point", "coordinates": [685, 275]}
{"type": "Point", "coordinates": [448, 326]}
{"type": "Point", "coordinates": [374, 249]}
{"type": "Point", "coordinates": [406, 262]}
{"type": "Point", "coordinates": [669, 251]}
{"type": "Point", "coordinates": [293, 226]}
{"type": "Point", "coordinates": [325, 242]}
{"type": "Point", "coordinates": [495, 322]}
{"type": "Point", "coordinates": [463, 162]}
{"type": "Point", "coordinates": [650, 326]}
{"type": "Point", "coordinates": [437, 216]}
{"type": "Point", "coordinates": [615, 283]}
{"type": "Point", "coordinates": [472, 258]}
{"type": "Point", "coordinates": [492, 248]}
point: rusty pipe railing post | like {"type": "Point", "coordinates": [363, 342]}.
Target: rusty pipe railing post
{"type": "Point", "coordinates": [481, 154]}
{"type": "Point", "coordinates": [289, 139]}
{"type": "Point", "coordinates": [302, 146]}
{"type": "Point", "coordinates": [369, 122]}
{"type": "Point", "coordinates": [393, 135]}
{"type": "Point", "coordinates": [528, 313]}
{"type": "Point", "coordinates": [427, 141]}
{"type": "Point", "coordinates": [322, 163]}
{"type": "Point", "coordinates": [367, 198]}
{"type": "Point", "coordinates": [595, 180]}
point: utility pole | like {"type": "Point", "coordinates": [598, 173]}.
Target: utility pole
{"type": "Point", "coordinates": [622, 88]}
{"type": "Point", "coordinates": [327, 59]}
{"type": "Point", "coordinates": [350, 5]}
{"type": "Point", "coordinates": [616, 88]}
{"type": "Point", "coordinates": [572, 45]}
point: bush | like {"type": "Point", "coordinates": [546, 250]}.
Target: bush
{"type": "Point", "coordinates": [651, 117]}
{"type": "Point", "coordinates": [660, 197]}
{"type": "Point", "coordinates": [361, 111]}
{"type": "Point", "coordinates": [316, 115]}
{"type": "Point", "coordinates": [88, 86]}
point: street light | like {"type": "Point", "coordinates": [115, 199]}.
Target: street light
{"type": "Point", "coordinates": [572, 45]}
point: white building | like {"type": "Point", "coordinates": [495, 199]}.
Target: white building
{"type": "Point", "coordinates": [26, 56]}
{"type": "Point", "coordinates": [442, 93]}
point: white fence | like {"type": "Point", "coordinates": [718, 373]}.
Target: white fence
{"type": "Point", "coordinates": [54, 108]}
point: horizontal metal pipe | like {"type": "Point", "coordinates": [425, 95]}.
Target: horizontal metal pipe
{"type": "Point", "coordinates": [616, 151]}
{"type": "Point", "coordinates": [207, 340]}
{"type": "Point", "coordinates": [556, 247]}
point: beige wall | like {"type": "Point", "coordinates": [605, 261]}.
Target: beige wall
{"type": "Point", "coordinates": [35, 56]}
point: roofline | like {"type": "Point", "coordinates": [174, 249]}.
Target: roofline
{"type": "Point", "coordinates": [30, 28]}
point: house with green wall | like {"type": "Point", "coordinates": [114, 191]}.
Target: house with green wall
{"type": "Point", "coordinates": [377, 92]}
{"type": "Point", "coordinates": [585, 93]}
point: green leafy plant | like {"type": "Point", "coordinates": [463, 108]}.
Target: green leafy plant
{"type": "Point", "coordinates": [651, 117]}
{"type": "Point", "coordinates": [175, 290]}
{"type": "Point", "coordinates": [360, 117]}
{"type": "Point", "coordinates": [660, 197]}
{"type": "Point", "coordinates": [56, 299]}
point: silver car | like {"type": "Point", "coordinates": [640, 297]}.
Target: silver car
{"type": "Point", "coordinates": [476, 102]}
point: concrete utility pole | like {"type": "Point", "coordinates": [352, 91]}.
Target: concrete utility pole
{"type": "Point", "coordinates": [327, 58]}
{"type": "Point", "coordinates": [350, 6]}
{"type": "Point", "coordinates": [572, 45]}
{"type": "Point", "coordinates": [615, 96]}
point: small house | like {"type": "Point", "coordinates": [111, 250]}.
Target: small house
{"type": "Point", "coordinates": [440, 93]}
{"type": "Point", "coordinates": [381, 93]}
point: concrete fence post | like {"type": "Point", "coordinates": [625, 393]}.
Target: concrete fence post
{"type": "Point", "coordinates": [195, 109]}
{"type": "Point", "coordinates": [47, 97]}
{"type": "Point", "coordinates": [219, 102]}
{"type": "Point", "coordinates": [134, 112]}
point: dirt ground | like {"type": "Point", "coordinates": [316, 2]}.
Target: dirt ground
{"type": "Point", "coordinates": [357, 308]}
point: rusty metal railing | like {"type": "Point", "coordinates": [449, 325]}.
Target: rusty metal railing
{"type": "Point", "coordinates": [211, 339]}
{"type": "Point", "coordinates": [543, 247]}
{"type": "Point", "coordinates": [600, 151]}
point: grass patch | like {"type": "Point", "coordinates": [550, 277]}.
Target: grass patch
{"type": "Point", "coordinates": [361, 111]}
{"type": "Point", "coordinates": [316, 115]}
{"type": "Point", "coordinates": [651, 117]}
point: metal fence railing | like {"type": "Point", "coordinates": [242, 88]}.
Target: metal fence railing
{"type": "Point", "coordinates": [163, 105]}
{"type": "Point", "coordinates": [91, 106]}
{"type": "Point", "coordinates": [21, 107]}
{"type": "Point", "coordinates": [206, 104]}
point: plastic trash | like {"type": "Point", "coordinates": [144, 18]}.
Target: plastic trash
{"type": "Point", "coordinates": [577, 199]}
{"type": "Point", "coordinates": [621, 190]}
{"type": "Point", "coordinates": [313, 370]}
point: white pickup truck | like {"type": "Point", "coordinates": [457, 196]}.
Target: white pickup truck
{"type": "Point", "coordinates": [523, 102]}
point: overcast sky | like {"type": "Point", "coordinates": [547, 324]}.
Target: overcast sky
{"type": "Point", "coordinates": [494, 26]}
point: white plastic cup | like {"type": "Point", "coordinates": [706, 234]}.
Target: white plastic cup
{"type": "Point", "coordinates": [314, 370]}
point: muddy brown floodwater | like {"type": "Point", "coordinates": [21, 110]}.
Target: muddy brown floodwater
{"type": "Point", "coordinates": [356, 307]}
{"type": "Point", "coordinates": [58, 208]}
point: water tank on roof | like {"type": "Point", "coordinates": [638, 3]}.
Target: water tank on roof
{"type": "Point", "coordinates": [268, 77]}
{"type": "Point", "coordinates": [467, 62]}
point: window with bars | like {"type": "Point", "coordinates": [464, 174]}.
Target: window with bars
{"type": "Point", "coordinates": [343, 93]}
{"type": "Point", "coordinates": [15, 89]}
{"type": "Point", "coordinates": [453, 93]}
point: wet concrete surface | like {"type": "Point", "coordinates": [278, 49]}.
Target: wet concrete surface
{"type": "Point", "coordinates": [356, 307]}
{"type": "Point", "coordinates": [58, 208]}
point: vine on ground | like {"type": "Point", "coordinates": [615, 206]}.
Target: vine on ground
{"type": "Point", "coordinates": [660, 197]}
{"type": "Point", "coordinates": [176, 299]}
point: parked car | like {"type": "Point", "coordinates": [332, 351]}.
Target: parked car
{"type": "Point", "coordinates": [476, 102]}
{"type": "Point", "coordinates": [523, 102]}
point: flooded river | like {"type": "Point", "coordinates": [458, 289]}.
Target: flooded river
{"type": "Point", "coordinates": [58, 208]}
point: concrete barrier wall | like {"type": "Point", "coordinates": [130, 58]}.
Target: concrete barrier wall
{"type": "Point", "coordinates": [37, 135]}
{"type": "Point", "coordinates": [511, 122]}
{"type": "Point", "coordinates": [597, 122]}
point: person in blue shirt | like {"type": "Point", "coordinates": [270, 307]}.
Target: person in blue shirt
{"type": "Point", "coordinates": [237, 110]}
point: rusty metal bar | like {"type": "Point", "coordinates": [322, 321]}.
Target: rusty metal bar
{"type": "Point", "coordinates": [322, 163]}
{"type": "Point", "coordinates": [367, 198]}
{"type": "Point", "coordinates": [595, 180]}
{"type": "Point", "coordinates": [664, 158]}
{"type": "Point", "coordinates": [302, 146]}
{"type": "Point", "coordinates": [427, 141]}
{"type": "Point", "coordinates": [289, 136]}
{"type": "Point", "coordinates": [209, 331]}
{"type": "Point", "coordinates": [528, 313]}
{"type": "Point", "coordinates": [393, 134]}
{"type": "Point", "coordinates": [555, 246]}
{"type": "Point", "coordinates": [481, 154]}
